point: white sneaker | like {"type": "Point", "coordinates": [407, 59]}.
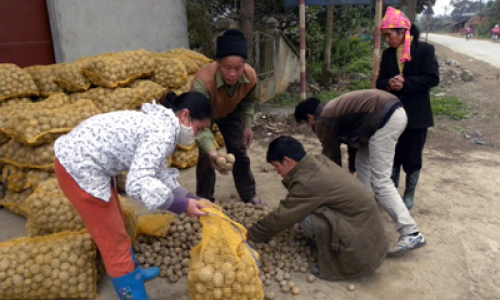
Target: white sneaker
{"type": "Point", "coordinates": [407, 243]}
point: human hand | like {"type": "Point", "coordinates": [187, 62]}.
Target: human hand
{"type": "Point", "coordinates": [248, 137]}
{"type": "Point", "coordinates": [398, 82]}
{"type": "Point", "coordinates": [194, 209]}
{"type": "Point", "coordinates": [213, 156]}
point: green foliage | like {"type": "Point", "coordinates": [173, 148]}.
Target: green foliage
{"type": "Point", "coordinates": [285, 100]}
{"type": "Point", "coordinates": [362, 84]}
{"type": "Point", "coordinates": [449, 106]}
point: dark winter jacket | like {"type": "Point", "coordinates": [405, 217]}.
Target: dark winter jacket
{"type": "Point", "coordinates": [420, 74]}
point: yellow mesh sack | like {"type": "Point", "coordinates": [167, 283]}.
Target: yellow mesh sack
{"type": "Point", "coordinates": [15, 202]}
{"type": "Point", "coordinates": [186, 87]}
{"type": "Point", "coordinates": [156, 225]}
{"type": "Point", "coordinates": [36, 127]}
{"type": "Point", "coordinates": [191, 65]}
{"type": "Point", "coordinates": [17, 179]}
{"type": "Point", "coordinates": [169, 72]}
{"type": "Point", "coordinates": [119, 69]}
{"type": "Point", "coordinates": [60, 265]}
{"type": "Point", "coordinates": [15, 83]}
{"type": "Point", "coordinates": [71, 78]}
{"type": "Point", "coordinates": [131, 218]}
{"type": "Point", "coordinates": [44, 76]}
{"type": "Point", "coordinates": [109, 100]}
{"type": "Point", "coordinates": [23, 156]}
{"type": "Point", "coordinates": [223, 265]}
{"type": "Point", "coordinates": [219, 139]}
{"type": "Point", "coordinates": [50, 210]}
{"type": "Point", "coordinates": [14, 101]}
{"type": "Point", "coordinates": [185, 157]}
{"type": "Point", "coordinates": [199, 58]}
{"type": "Point", "coordinates": [32, 231]}
{"type": "Point", "coordinates": [152, 91]}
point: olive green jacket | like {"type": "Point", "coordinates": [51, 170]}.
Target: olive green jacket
{"type": "Point", "coordinates": [348, 228]}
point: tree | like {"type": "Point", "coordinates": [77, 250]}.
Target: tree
{"type": "Point", "coordinates": [328, 47]}
{"type": "Point", "coordinates": [247, 11]}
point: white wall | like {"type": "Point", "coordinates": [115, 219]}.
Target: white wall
{"type": "Point", "coordinates": [89, 27]}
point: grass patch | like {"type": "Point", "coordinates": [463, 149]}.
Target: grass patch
{"type": "Point", "coordinates": [452, 107]}
{"type": "Point", "coordinates": [291, 100]}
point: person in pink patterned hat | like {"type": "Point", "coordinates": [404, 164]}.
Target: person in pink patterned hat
{"type": "Point", "coordinates": [409, 69]}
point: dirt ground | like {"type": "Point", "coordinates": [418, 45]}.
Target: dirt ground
{"type": "Point", "coordinates": [456, 209]}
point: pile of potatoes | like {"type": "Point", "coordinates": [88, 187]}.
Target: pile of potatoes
{"type": "Point", "coordinates": [21, 155]}
{"type": "Point", "coordinates": [109, 100]}
{"type": "Point", "coordinates": [185, 157]}
{"type": "Point", "coordinates": [15, 83]}
{"type": "Point", "coordinates": [56, 266]}
{"type": "Point", "coordinates": [287, 253]}
{"type": "Point", "coordinates": [36, 127]}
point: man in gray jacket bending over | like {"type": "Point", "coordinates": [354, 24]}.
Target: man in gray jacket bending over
{"type": "Point", "coordinates": [372, 121]}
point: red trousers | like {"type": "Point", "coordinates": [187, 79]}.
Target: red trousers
{"type": "Point", "coordinates": [104, 221]}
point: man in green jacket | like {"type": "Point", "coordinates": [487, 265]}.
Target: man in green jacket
{"type": "Point", "coordinates": [340, 216]}
{"type": "Point", "coordinates": [233, 89]}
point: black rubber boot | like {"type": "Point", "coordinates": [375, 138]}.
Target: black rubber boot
{"type": "Point", "coordinates": [396, 171]}
{"type": "Point", "coordinates": [411, 185]}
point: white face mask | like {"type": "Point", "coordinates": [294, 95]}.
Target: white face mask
{"type": "Point", "coordinates": [186, 135]}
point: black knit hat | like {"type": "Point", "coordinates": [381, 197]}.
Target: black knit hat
{"type": "Point", "coordinates": [232, 42]}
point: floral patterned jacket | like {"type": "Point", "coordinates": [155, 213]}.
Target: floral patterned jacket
{"type": "Point", "coordinates": [105, 145]}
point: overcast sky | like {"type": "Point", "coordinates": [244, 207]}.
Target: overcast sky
{"type": "Point", "coordinates": [439, 8]}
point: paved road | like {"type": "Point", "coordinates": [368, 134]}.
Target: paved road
{"type": "Point", "coordinates": [483, 50]}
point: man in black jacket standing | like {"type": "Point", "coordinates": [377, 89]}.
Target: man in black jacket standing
{"type": "Point", "coordinates": [409, 69]}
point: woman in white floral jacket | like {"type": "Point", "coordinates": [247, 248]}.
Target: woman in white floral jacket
{"type": "Point", "coordinates": [100, 148]}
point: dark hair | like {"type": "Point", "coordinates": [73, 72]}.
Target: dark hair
{"type": "Point", "coordinates": [198, 105]}
{"type": "Point", "coordinates": [285, 146]}
{"type": "Point", "coordinates": [306, 107]}
{"type": "Point", "coordinates": [414, 31]}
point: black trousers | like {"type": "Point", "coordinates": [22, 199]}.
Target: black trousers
{"type": "Point", "coordinates": [231, 128]}
{"type": "Point", "coordinates": [409, 150]}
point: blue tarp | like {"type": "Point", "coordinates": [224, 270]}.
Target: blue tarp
{"type": "Point", "coordinates": [337, 2]}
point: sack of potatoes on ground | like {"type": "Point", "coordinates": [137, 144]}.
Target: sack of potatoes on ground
{"type": "Point", "coordinates": [186, 87]}
{"type": "Point", "coordinates": [60, 265]}
{"type": "Point", "coordinates": [44, 76]}
{"type": "Point", "coordinates": [15, 202]}
{"type": "Point", "coordinates": [169, 72]}
{"type": "Point", "coordinates": [118, 69]}
{"type": "Point", "coordinates": [71, 78]}
{"type": "Point", "coordinates": [109, 100]}
{"type": "Point", "coordinates": [15, 106]}
{"type": "Point", "coordinates": [185, 157]}
{"type": "Point", "coordinates": [50, 210]}
{"type": "Point", "coordinates": [17, 179]}
{"type": "Point", "coordinates": [152, 91]}
{"type": "Point", "coordinates": [20, 155]}
{"type": "Point", "coordinates": [36, 127]}
{"type": "Point", "coordinates": [198, 58]}
{"type": "Point", "coordinates": [16, 83]}
{"type": "Point", "coordinates": [222, 265]}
